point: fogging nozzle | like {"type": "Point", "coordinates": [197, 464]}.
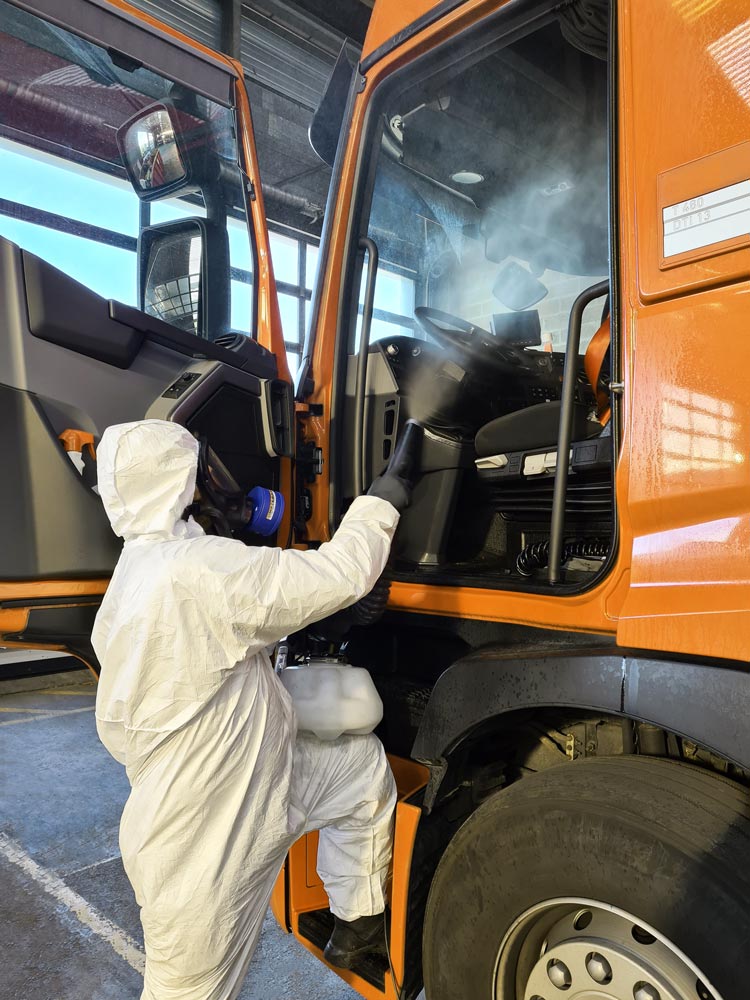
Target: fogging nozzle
{"type": "Point", "coordinates": [405, 458]}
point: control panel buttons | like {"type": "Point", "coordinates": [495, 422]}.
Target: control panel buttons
{"type": "Point", "coordinates": [181, 385]}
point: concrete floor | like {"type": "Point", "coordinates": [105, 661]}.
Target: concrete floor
{"type": "Point", "coordinates": [71, 929]}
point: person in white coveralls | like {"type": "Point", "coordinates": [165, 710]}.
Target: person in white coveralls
{"type": "Point", "coordinates": [221, 784]}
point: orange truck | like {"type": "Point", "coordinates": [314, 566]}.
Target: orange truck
{"type": "Point", "coordinates": [550, 204]}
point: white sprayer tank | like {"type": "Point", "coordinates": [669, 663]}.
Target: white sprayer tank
{"type": "Point", "coordinates": [332, 697]}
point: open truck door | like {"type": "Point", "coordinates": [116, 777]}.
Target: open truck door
{"type": "Point", "coordinates": [136, 284]}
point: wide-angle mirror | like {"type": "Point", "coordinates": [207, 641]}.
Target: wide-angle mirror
{"type": "Point", "coordinates": [152, 153]}
{"type": "Point", "coordinates": [176, 283]}
{"type": "Point", "coordinates": [172, 268]}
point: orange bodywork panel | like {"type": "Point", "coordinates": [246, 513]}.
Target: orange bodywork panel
{"type": "Point", "coordinates": [685, 464]}
{"type": "Point", "coordinates": [388, 18]}
{"type": "Point", "coordinates": [299, 890]}
{"type": "Point", "coordinates": [70, 592]}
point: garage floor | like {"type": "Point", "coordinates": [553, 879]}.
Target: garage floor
{"type": "Point", "coordinates": [70, 922]}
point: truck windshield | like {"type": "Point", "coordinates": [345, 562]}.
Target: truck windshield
{"type": "Point", "coordinates": [64, 194]}
{"type": "Point", "coordinates": [490, 190]}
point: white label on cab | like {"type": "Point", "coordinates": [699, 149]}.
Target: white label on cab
{"type": "Point", "coordinates": [710, 218]}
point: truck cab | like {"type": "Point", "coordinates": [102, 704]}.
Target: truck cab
{"type": "Point", "coordinates": [537, 232]}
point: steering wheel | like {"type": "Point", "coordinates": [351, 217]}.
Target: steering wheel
{"type": "Point", "coordinates": [471, 343]}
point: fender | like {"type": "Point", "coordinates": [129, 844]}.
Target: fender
{"type": "Point", "coordinates": [706, 702]}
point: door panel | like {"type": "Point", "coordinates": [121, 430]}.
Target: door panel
{"type": "Point", "coordinates": [55, 525]}
{"type": "Point", "coordinates": [99, 393]}
{"type": "Point", "coordinates": [130, 287]}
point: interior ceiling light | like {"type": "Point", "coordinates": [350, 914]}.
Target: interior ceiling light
{"type": "Point", "coordinates": [467, 177]}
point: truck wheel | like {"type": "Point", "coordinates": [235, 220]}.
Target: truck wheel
{"type": "Point", "coordinates": [615, 879]}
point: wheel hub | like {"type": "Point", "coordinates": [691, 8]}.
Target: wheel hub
{"type": "Point", "coordinates": [582, 950]}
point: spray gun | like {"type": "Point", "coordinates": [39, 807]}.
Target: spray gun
{"type": "Point", "coordinates": [404, 462]}
{"type": "Point", "coordinates": [403, 467]}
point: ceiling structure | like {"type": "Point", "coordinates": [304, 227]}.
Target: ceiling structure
{"type": "Point", "coordinates": [288, 51]}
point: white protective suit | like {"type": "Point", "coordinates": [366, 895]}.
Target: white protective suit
{"type": "Point", "coordinates": [188, 701]}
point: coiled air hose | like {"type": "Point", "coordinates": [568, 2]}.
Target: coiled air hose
{"type": "Point", "coordinates": [366, 611]}
{"type": "Point", "coordinates": [536, 555]}
{"type": "Point", "coordinates": [370, 609]}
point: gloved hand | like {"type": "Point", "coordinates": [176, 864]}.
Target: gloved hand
{"type": "Point", "coordinates": [395, 490]}
{"type": "Point", "coordinates": [396, 483]}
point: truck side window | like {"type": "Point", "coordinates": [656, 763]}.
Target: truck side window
{"type": "Point", "coordinates": [490, 191]}
{"type": "Point", "coordinates": [65, 195]}
{"type": "Point", "coordinates": [393, 308]}
{"type": "Point", "coordinates": [58, 210]}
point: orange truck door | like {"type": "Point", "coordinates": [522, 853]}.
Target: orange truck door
{"type": "Point", "coordinates": [136, 283]}
{"type": "Point", "coordinates": [685, 178]}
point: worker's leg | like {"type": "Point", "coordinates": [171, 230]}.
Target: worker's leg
{"type": "Point", "coordinates": [345, 789]}
{"type": "Point", "coordinates": [203, 836]}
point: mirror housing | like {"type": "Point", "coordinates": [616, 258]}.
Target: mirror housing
{"type": "Point", "coordinates": [325, 127]}
{"type": "Point", "coordinates": [176, 283]}
{"type": "Point", "coordinates": [517, 288]}
{"type": "Point", "coordinates": [155, 154]}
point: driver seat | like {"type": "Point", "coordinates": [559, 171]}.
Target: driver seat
{"type": "Point", "coordinates": [535, 428]}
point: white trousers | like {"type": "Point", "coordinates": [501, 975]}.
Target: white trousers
{"type": "Point", "coordinates": [345, 789]}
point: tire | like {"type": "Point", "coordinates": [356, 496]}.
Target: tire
{"type": "Point", "coordinates": [659, 840]}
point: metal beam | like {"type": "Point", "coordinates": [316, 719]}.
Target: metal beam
{"type": "Point", "coordinates": [231, 35]}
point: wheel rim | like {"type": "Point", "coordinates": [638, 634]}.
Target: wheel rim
{"type": "Point", "coordinates": [579, 949]}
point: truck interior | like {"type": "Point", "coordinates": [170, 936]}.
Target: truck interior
{"type": "Point", "coordinates": [482, 216]}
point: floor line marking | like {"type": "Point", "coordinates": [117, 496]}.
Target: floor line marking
{"type": "Point", "coordinates": [42, 715]}
{"type": "Point", "coordinates": [83, 911]}
{"type": "Point", "coordinates": [94, 864]}
{"type": "Point", "coordinates": [69, 692]}
{"type": "Point", "coordinates": [36, 711]}
{"type": "Point", "coordinates": [46, 711]}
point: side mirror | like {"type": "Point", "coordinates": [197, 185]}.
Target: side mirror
{"type": "Point", "coordinates": [176, 283]}
{"type": "Point", "coordinates": [154, 152]}
{"type": "Point", "coordinates": [325, 127]}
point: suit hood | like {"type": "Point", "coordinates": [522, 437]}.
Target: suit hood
{"type": "Point", "coordinates": [146, 475]}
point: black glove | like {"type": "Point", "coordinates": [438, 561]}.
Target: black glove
{"type": "Point", "coordinates": [396, 483]}
{"type": "Point", "coordinates": [393, 489]}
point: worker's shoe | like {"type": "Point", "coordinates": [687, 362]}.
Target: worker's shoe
{"type": "Point", "coordinates": [351, 939]}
